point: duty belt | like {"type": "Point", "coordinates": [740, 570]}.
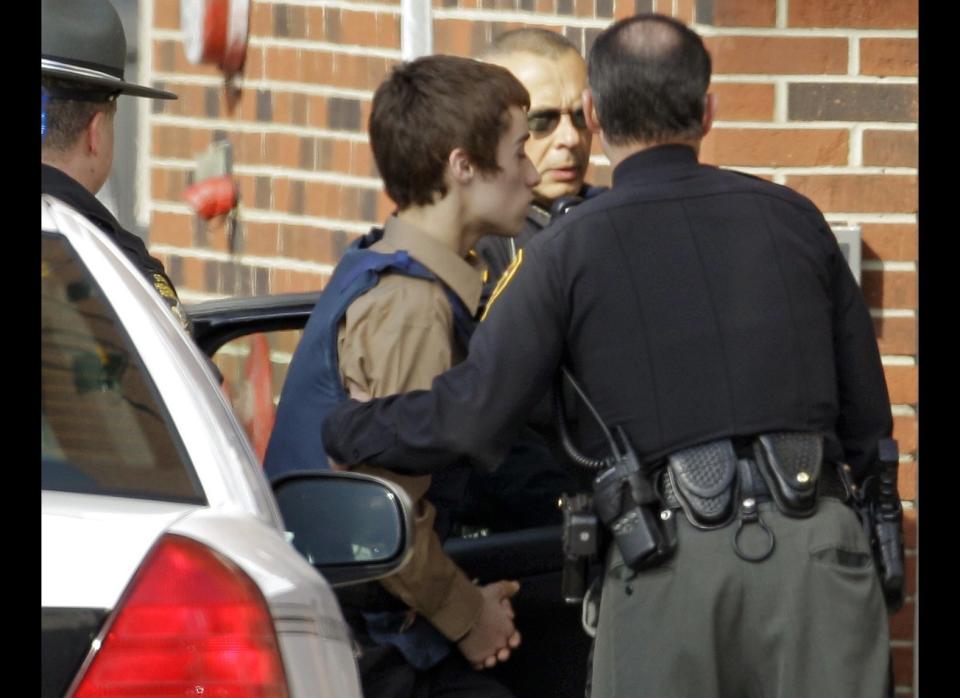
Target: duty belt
{"type": "Point", "coordinates": [716, 483]}
{"type": "Point", "coordinates": [830, 484]}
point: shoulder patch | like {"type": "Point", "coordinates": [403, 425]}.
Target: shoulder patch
{"type": "Point", "coordinates": [504, 281]}
{"type": "Point", "coordinates": [163, 287]}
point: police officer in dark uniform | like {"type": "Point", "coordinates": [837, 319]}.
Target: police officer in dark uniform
{"type": "Point", "coordinates": [83, 51]}
{"type": "Point", "coordinates": [704, 312]}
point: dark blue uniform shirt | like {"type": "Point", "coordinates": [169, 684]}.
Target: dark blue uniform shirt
{"type": "Point", "coordinates": [691, 303]}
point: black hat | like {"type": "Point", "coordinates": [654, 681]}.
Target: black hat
{"type": "Point", "coordinates": [83, 41]}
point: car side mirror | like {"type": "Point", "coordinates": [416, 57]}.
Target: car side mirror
{"type": "Point", "coordinates": [351, 527]}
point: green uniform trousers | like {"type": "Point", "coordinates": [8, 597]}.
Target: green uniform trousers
{"type": "Point", "coordinates": [807, 622]}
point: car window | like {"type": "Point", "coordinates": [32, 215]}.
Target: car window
{"type": "Point", "coordinates": [103, 428]}
{"type": "Point", "coordinates": [254, 368]}
{"type": "Point", "coordinates": [521, 494]}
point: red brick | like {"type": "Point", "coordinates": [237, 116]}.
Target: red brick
{"type": "Point", "coordinates": [859, 193]}
{"type": "Point", "coordinates": [261, 19]}
{"type": "Point", "coordinates": [451, 34]}
{"type": "Point", "coordinates": [358, 28]}
{"type": "Point", "coordinates": [889, 241]}
{"type": "Point", "coordinates": [361, 160]}
{"type": "Point", "coordinates": [282, 64]}
{"type": "Point", "coordinates": [260, 239]}
{"type": "Point", "coordinates": [775, 147]}
{"type": "Point", "coordinates": [166, 14]}
{"type": "Point", "coordinates": [853, 14]}
{"type": "Point", "coordinates": [685, 11]}
{"type": "Point", "coordinates": [910, 528]}
{"type": "Point", "coordinates": [193, 274]}
{"type": "Point", "coordinates": [905, 432]}
{"type": "Point", "coordinates": [888, 57]}
{"type": "Point", "coordinates": [315, 23]}
{"type": "Point", "coordinates": [890, 148]}
{"type": "Point", "coordinates": [807, 101]}
{"type": "Point", "coordinates": [744, 13]}
{"type": "Point", "coordinates": [777, 55]}
{"type": "Point", "coordinates": [896, 335]}
{"type": "Point", "coordinates": [253, 68]}
{"type": "Point", "coordinates": [910, 572]}
{"type": "Point", "coordinates": [901, 624]}
{"type": "Point", "coordinates": [316, 111]}
{"type": "Point", "coordinates": [890, 289]}
{"type": "Point", "coordinates": [171, 229]}
{"type": "Point", "coordinates": [743, 101]}
{"type": "Point", "coordinates": [282, 107]}
{"type": "Point", "coordinates": [285, 151]}
{"type": "Point", "coordinates": [218, 234]}
{"type": "Point", "coordinates": [907, 479]}
{"type": "Point", "coordinates": [902, 665]}
{"type": "Point", "coordinates": [248, 192]}
{"type": "Point", "coordinates": [388, 30]}
{"type": "Point", "coordinates": [340, 151]}
{"type": "Point", "coordinates": [384, 206]}
{"type": "Point", "coordinates": [170, 142]}
{"type": "Point", "coordinates": [621, 8]}
{"type": "Point", "coordinates": [158, 184]}
{"type": "Point", "coordinates": [902, 384]}
{"type": "Point", "coordinates": [314, 200]}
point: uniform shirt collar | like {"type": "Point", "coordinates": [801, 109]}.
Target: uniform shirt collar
{"type": "Point", "coordinates": [462, 276]}
{"type": "Point", "coordinates": [656, 164]}
{"type": "Point", "coordinates": [70, 191]}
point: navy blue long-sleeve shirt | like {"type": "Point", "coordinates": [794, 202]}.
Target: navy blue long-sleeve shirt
{"type": "Point", "coordinates": [691, 303]}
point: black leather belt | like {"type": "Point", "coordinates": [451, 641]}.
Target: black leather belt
{"type": "Point", "coordinates": [752, 484]}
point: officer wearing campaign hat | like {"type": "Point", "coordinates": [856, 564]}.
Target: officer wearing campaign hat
{"type": "Point", "coordinates": [82, 54]}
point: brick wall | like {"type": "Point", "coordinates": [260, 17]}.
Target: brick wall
{"type": "Point", "coordinates": [820, 95]}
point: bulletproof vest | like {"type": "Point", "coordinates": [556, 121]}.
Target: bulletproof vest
{"type": "Point", "coordinates": [313, 385]}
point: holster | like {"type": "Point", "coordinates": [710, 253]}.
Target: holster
{"type": "Point", "coordinates": [790, 464]}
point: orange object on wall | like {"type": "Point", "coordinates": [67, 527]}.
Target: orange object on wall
{"type": "Point", "coordinates": [212, 197]}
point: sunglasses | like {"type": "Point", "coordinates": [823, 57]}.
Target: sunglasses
{"type": "Point", "coordinates": [546, 120]}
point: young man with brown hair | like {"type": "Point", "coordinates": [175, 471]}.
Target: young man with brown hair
{"type": "Point", "coordinates": [448, 138]}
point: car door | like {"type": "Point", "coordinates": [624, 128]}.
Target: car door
{"type": "Point", "coordinates": [251, 340]}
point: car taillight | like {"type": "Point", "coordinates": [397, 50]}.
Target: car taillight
{"type": "Point", "coordinates": [191, 623]}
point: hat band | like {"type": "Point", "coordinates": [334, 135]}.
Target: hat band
{"type": "Point", "coordinates": [81, 68]}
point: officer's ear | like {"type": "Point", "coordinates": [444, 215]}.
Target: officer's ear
{"type": "Point", "coordinates": [590, 111]}
{"type": "Point", "coordinates": [709, 111]}
{"type": "Point", "coordinates": [96, 133]}
{"type": "Point", "coordinates": [461, 167]}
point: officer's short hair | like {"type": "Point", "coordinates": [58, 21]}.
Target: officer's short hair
{"type": "Point", "coordinates": [649, 75]}
{"type": "Point", "coordinates": [540, 42]}
{"type": "Point", "coordinates": [67, 118]}
{"type": "Point", "coordinates": [428, 107]}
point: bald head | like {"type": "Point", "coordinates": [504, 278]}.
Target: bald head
{"type": "Point", "coordinates": [555, 74]}
{"type": "Point", "coordinates": [649, 76]}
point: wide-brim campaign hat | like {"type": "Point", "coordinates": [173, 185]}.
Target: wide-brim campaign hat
{"type": "Point", "coordinates": [83, 41]}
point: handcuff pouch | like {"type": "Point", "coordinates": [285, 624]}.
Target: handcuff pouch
{"type": "Point", "coordinates": [790, 464]}
{"type": "Point", "coordinates": [702, 478]}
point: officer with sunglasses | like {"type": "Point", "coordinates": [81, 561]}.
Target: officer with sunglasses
{"type": "Point", "coordinates": [555, 75]}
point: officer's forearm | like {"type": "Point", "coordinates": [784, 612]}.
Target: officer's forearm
{"type": "Point", "coordinates": [399, 433]}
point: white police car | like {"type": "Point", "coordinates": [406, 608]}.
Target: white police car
{"type": "Point", "coordinates": [165, 565]}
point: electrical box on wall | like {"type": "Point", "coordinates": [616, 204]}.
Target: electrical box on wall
{"type": "Point", "coordinates": [848, 237]}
